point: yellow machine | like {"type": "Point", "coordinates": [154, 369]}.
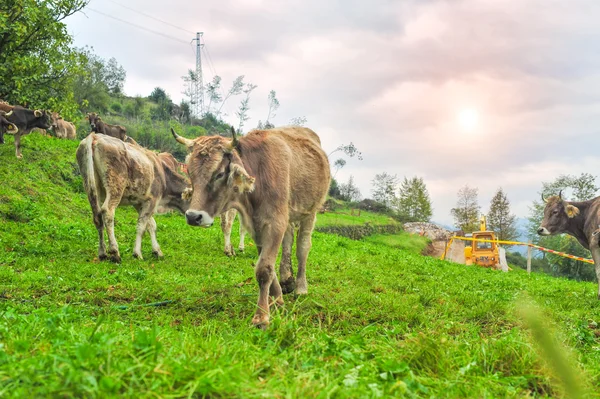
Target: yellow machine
{"type": "Point", "coordinates": [484, 254]}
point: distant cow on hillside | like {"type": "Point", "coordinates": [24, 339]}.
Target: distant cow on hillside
{"type": "Point", "coordinates": [578, 219]}
{"type": "Point", "coordinates": [63, 129]}
{"type": "Point", "coordinates": [99, 126]}
{"type": "Point", "coordinates": [274, 178]}
{"type": "Point", "coordinates": [25, 121]}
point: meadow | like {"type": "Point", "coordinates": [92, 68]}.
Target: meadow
{"type": "Point", "coordinates": [380, 320]}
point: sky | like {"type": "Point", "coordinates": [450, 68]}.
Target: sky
{"type": "Point", "coordinates": [489, 93]}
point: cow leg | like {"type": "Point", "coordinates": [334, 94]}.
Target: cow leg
{"type": "Point", "coordinates": [226, 225]}
{"type": "Point", "coordinates": [18, 146]}
{"type": "Point", "coordinates": [595, 250]}
{"type": "Point", "coordinates": [152, 231]}
{"type": "Point", "coordinates": [108, 215]}
{"type": "Point", "coordinates": [242, 237]}
{"type": "Point", "coordinates": [145, 214]}
{"type": "Point", "coordinates": [99, 223]}
{"type": "Point", "coordinates": [266, 276]}
{"type": "Point", "coordinates": [303, 245]}
{"type": "Point", "coordinates": [286, 273]}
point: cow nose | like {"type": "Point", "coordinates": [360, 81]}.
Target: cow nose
{"type": "Point", "coordinates": [540, 230]}
{"type": "Point", "coordinates": [194, 218]}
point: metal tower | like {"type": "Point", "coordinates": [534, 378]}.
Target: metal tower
{"type": "Point", "coordinates": [198, 91]}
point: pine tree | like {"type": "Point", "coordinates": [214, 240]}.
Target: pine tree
{"type": "Point", "coordinates": [466, 213]}
{"type": "Point", "coordinates": [413, 203]}
{"type": "Point", "coordinates": [349, 191]}
{"type": "Point", "coordinates": [499, 218]}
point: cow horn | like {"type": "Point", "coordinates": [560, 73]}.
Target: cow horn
{"type": "Point", "coordinates": [187, 142]}
{"type": "Point", "coordinates": [544, 199]}
{"type": "Point", "coordinates": [37, 113]}
{"type": "Point", "coordinates": [9, 114]}
{"type": "Point", "coordinates": [234, 141]}
{"type": "Point", "coordinates": [560, 194]}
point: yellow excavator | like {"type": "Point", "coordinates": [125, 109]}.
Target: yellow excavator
{"type": "Point", "coordinates": [485, 254]}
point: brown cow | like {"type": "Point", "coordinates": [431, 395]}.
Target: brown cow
{"type": "Point", "coordinates": [117, 173]}
{"type": "Point", "coordinates": [63, 129]}
{"type": "Point", "coordinates": [99, 126]}
{"type": "Point", "coordinates": [275, 178]}
{"type": "Point", "coordinates": [25, 120]}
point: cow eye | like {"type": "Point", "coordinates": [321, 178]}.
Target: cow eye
{"type": "Point", "coordinates": [555, 212]}
{"type": "Point", "coordinates": [220, 175]}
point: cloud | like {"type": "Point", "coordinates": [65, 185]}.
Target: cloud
{"type": "Point", "coordinates": [392, 77]}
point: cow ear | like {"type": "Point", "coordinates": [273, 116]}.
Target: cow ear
{"type": "Point", "coordinates": [572, 211]}
{"type": "Point", "coordinates": [37, 113]}
{"type": "Point", "coordinates": [239, 180]}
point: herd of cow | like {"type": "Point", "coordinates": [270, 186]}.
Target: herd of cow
{"type": "Point", "coordinates": [276, 179]}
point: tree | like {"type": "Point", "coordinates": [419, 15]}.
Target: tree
{"type": "Point", "coordinates": [212, 89]}
{"type": "Point", "coordinates": [37, 63]}
{"type": "Point", "coordinates": [244, 106]}
{"type": "Point", "coordinates": [338, 164]}
{"type": "Point", "coordinates": [499, 218]}
{"type": "Point", "coordinates": [334, 189]}
{"type": "Point", "coordinates": [298, 121]}
{"type": "Point", "coordinates": [349, 191]}
{"type": "Point", "coordinates": [114, 77]}
{"type": "Point", "coordinates": [413, 203]}
{"type": "Point", "coordinates": [236, 88]}
{"type": "Point", "coordinates": [158, 94]}
{"type": "Point", "coordinates": [466, 213]}
{"type": "Point", "coordinates": [273, 106]}
{"type": "Point", "coordinates": [384, 188]}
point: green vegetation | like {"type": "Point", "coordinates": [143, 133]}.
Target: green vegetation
{"type": "Point", "coordinates": [405, 241]}
{"type": "Point", "coordinates": [379, 321]}
{"type": "Point", "coordinates": [344, 217]}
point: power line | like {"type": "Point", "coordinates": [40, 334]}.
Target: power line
{"type": "Point", "coordinates": [151, 17]}
{"type": "Point", "coordinates": [137, 26]}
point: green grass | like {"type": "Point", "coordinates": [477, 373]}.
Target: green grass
{"type": "Point", "coordinates": [378, 321]}
{"type": "Point", "coordinates": [343, 217]}
{"type": "Point", "coordinates": [403, 240]}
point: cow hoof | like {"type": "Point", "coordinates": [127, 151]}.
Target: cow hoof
{"type": "Point", "coordinates": [102, 257]}
{"type": "Point", "coordinates": [260, 321]}
{"type": "Point", "coordinates": [229, 252]}
{"type": "Point", "coordinates": [138, 256]}
{"type": "Point", "coordinates": [116, 258]}
{"type": "Point", "coordinates": [288, 286]}
{"type": "Point", "coordinates": [158, 254]}
{"type": "Point", "coordinates": [19, 156]}
{"type": "Point", "coordinates": [278, 301]}
{"type": "Point", "coordinates": [241, 249]}
{"type": "Point", "coordinates": [301, 290]}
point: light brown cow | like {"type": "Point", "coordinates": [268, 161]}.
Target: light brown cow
{"type": "Point", "coordinates": [63, 129]}
{"type": "Point", "coordinates": [274, 178]}
{"type": "Point", "coordinates": [117, 173]}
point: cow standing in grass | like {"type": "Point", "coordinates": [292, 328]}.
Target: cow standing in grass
{"type": "Point", "coordinates": [274, 178]}
{"type": "Point", "coordinates": [578, 219]}
{"type": "Point", "coordinates": [63, 129]}
{"type": "Point", "coordinates": [25, 121]}
{"type": "Point", "coordinates": [99, 126]}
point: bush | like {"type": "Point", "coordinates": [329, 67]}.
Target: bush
{"type": "Point", "coordinates": [371, 206]}
{"type": "Point", "coordinates": [359, 232]}
{"type": "Point", "coordinates": [116, 108]}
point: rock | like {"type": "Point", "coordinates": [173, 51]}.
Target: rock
{"type": "Point", "coordinates": [429, 230]}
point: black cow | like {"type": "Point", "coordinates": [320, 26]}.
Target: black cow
{"type": "Point", "coordinates": [578, 219]}
{"type": "Point", "coordinates": [25, 120]}
{"type": "Point", "coordinates": [6, 126]}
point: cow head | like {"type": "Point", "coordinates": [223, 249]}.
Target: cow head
{"type": "Point", "coordinates": [41, 119]}
{"type": "Point", "coordinates": [55, 118]}
{"type": "Point", "coordinates": [217, 174]}
{"type": "Point", "coordinates": [93, 118]}
{"type": "Point", "coordinates": [557, 214]}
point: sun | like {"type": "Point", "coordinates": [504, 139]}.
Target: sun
{"type": "Point", "coordinates": [468, 119]}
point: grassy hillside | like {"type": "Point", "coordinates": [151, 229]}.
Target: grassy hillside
{"type": "Point", "coordinates": [378, 321]}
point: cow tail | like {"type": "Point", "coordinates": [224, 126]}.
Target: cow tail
{"type": "Point", "coordinates": [85, 159]}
